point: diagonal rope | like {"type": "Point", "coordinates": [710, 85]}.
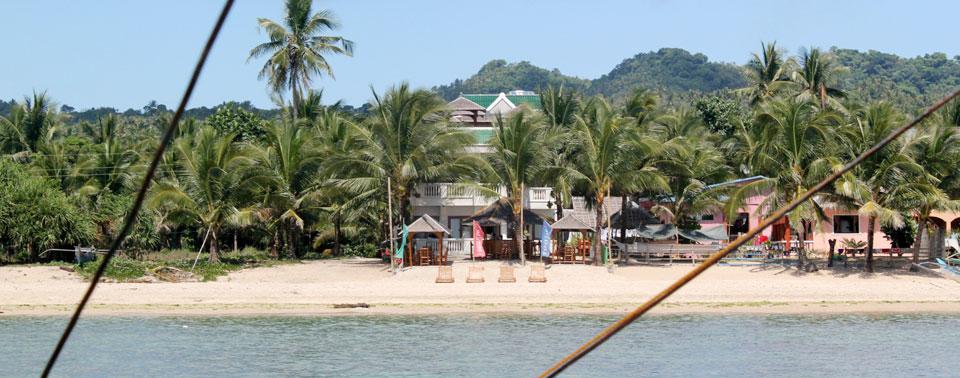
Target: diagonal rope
{"type": "Point", "coordinates": [142, 192]}
{"type": "Point", "coordinates": [619, 325]}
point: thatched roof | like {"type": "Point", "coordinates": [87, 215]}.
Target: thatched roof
{"type": "Point", "coordinates": [502, 211]}
{"type": "Point", "coordinates": [426, 224]}
{"type": "Point", "coordinates": [570, 223]}
{"type": "Point", "coordinates": [633, 215]}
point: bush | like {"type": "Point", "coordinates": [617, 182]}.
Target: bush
{"type": "Point", "coordinates": [360, 250]}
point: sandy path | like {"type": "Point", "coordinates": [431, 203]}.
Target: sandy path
{"type": "Point", "coordinates": [313, 287]}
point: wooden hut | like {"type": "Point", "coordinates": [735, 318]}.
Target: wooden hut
{"type": "Point", "coordinates": [426, 225]}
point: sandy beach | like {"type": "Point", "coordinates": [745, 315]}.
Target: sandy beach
{"type": "Point", "coordinates": [314, 287]}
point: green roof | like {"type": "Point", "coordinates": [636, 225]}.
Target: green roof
{"type": "Point", "coordinates": [485, 100]}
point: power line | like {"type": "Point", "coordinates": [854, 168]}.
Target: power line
{"type": "Point", "coordinates": [142, 193]}
{"type": "Point", "coordinates": [619, 325]}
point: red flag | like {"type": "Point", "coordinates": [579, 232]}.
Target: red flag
{"type": "Point", "coordinates": [478, 237]}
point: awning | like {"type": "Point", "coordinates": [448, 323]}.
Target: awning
{"type": "Point", "coordinates": [427, 224]}
{"type": "Point", "coordinates": [716, 233]}
{"type": "Point", "coordinates": [657, 231]}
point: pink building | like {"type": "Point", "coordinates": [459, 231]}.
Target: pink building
{"type": "Point", "coordinates": [841, 224]}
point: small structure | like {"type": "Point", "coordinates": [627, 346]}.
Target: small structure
{"type": "Point", "coordinates": [507, 274]}
{"type": "Point", "coordinates": [501, 211]}
{"type": "Point", "coordinates": [569, 254]}
{"type": "Point", "coordinates": [426, 224]}
{"type": "Point", "coordinates": [538, 273]}
{"type": "Point", "coordinates": [444, 274]}
{"type": "Point", "coordinates": [475, 274]}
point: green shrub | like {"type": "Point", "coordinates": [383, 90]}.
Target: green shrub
{"type": "Point", "coordinates": [360, 250]}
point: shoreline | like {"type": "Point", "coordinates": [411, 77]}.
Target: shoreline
{"type": "Point", "coordinates": [433, 309]}
{"type": "Point", "coordinates": [313, 288]}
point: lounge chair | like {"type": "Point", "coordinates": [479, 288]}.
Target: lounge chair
{"type": "Point", "coordinates": [537, 273]}
{"type": "Point", "coordinates": [507, 274]}
{"type": "Point", "coordinates": [475, 274]}
{"type": "Point", "coordinates": [445, 274]}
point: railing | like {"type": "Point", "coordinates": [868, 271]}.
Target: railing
{"type": "Point", "coordinates": [459, 191]}
{"type": "Point", "coordinates": [456, 248]}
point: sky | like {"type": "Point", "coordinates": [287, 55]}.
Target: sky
{"type": "Point", "coordinates": [123, 53]}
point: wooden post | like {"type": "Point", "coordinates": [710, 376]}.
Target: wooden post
{"type": "Point", "coordinates": [393, 250]}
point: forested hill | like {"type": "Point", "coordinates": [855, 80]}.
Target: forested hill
{"type": "Point", "coordinates": [908, 82]}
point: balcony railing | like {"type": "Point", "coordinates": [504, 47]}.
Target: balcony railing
{"type": "Point", "coordinates": [456, 248]}
{"type": "Point", "coordinates": [437, 193]}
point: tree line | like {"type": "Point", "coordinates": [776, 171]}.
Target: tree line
{"type": "Point", "coordinates": [315, 177]}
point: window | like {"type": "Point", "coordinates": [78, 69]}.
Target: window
{"type": "Point", "coordinates": [846, 224]}
{"type": "Point", "coordinates": [706, 217]}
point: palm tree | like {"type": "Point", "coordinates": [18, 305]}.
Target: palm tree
{"type": "Point", "coordinates": [641, 105]}
{"type": "Point", "coordinates": [211, 189]}
{"type": "Point", "coordinates": [880, 185]}
{"type": "Point", "coordinates": [766, 73]}
{"type": "Point", "coordinates": [297, 48]}
{"type": "Point", "coordinates": [520, 153]}
{"type": "Point", "coordinates": [604, 161]}
{"type": "Point", "coordinates": [792, 143]}
{"type": "Point", "coordinates": [289, 163]}
{"type": "Point", "coordinates": [936, 148]}
{"type": "Point", "coordinates": [560, 108]}
{"type": "Point", "coordinates": [407, 141]}
{"type": "Point", "coordinates": [815, 79]}
{"type": "Point", "coordinates": [28, 123]}
{"type": "Point", "coordinates": [689, 165]}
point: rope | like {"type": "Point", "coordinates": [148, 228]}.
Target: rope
{"type": "Point", "coordinates": [619, 325]}
{"type": "Point", "coordinates": [142, 193]}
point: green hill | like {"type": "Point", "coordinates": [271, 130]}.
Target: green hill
{"type": "Point", "coordinates": [910, 83]}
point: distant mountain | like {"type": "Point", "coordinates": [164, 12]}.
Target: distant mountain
{"type": "Point", "coordinates": [500, 76]}
{"type": "Point", "coordinates": [909, 83]}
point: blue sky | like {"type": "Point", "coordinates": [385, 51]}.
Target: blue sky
{"type": "Point", "coordinates": [126, 53]}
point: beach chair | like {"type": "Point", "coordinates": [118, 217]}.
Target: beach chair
{"type": "Point", "coordinates": [537, 273]}
{"type": "Point", "coordinates": [507, 274]}
{"type": "Point", "coordinates": [445, 274]}
{"type": "Point", "coordinates": [475, 274]}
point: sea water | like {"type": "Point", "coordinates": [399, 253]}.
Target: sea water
{"type": "Point", "coordinates": [486, 346]}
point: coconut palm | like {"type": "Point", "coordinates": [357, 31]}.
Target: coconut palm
{"type": "Point", "coordinates": [298, 47]}
{"type": "Point", "coordinates": [881, 185]}
{"type": "Point", "coordinates": [793, 140]}
{"type": "Point", "coordinates": [641, 106]}
{"type": "Point", "coordinates": [690, 165]}
{"type": "Point", "coordinates": [407, 141]}
{"type": "Point", "coordinates": [604, 162]}
{"type": "Point", "coordinates": [815, 79]}
{"type": "Point", "coordinates": [24, 129]}
{"type": "Point", "coordinates": [211, 189]}
{"type": "Point", "coordinates": [560, 108]}
{"type": "Point", "coordinates": [289, 163]}
{"type": "Point", "coordinates": [520, 154]}
{"type": "Point", "coordinates": [767, 74]}
{"type": "Point", "coordinates": [936, 148]}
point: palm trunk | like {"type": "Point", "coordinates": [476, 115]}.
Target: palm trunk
{"type": "Point", "coordinates": [833, 244]}
{"type": "Point", "coordinates": [921, 229]}
{"type": "Point", "coordinates": [801, 254]}
{"type": "Point", "coordinates": [275, 245]}
{"type": "Point", "coordinates": [518, 227]}
{"type": "Point", "coordinates": [336, 235]}
{"type": "Point", "coordinates": [235, 232]}
{"type": "Point", "coordinates": [595, 248]}
{"type": "Point", "coordinates": [870, 231]}
{"type": "Point", "coordinates": [292, 240]}
{"type": "Point", "coordinates": [214, 256]}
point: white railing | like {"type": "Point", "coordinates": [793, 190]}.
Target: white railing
{"type": "Point", "coordinates": [539, 194]}
{"type": "Point", "coordinates": [456, 248]}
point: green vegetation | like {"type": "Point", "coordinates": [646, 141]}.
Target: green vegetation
{"type": "Point", "coordinates": [314, 180]}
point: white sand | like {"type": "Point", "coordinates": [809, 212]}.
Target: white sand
{"type": "Point", "coordinates": [313, 287]}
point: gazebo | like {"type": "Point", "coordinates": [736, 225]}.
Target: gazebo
{"type": "Point", "coordinates": [571, 223]}
{"type": "Point", "coordinates": [426, 225]}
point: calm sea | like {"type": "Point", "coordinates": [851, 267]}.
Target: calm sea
{"type": "Point", "coordinates": [486, 345]}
